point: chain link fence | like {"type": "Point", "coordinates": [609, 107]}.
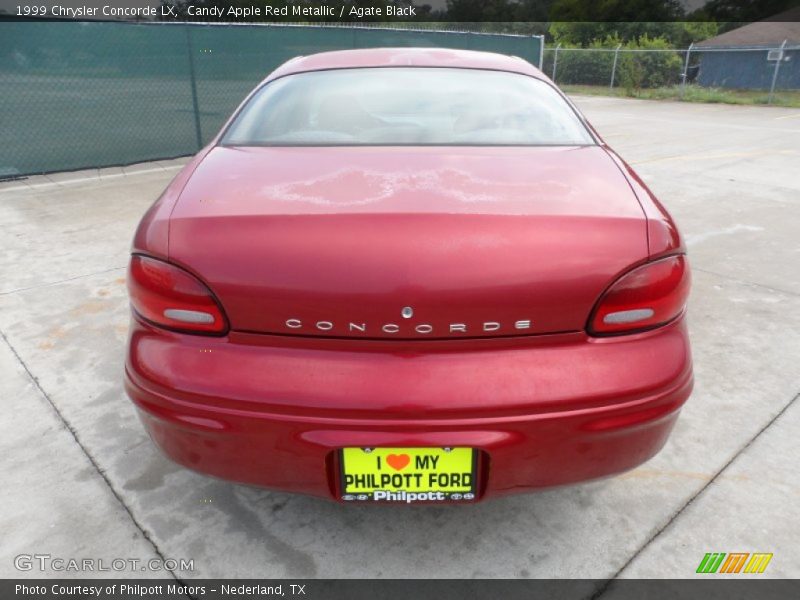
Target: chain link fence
{"type": "Point", "coordinates": [86, 94]}
{"type": "Point", "coordinates": [766, 72]}
{"type": "Point", "coordinates": [83, 94]}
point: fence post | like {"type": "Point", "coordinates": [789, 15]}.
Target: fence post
{"type": "Point", "coordinates": [685, 69]}
{"type": "Point", "coordinates": [775, 72]}
{"type": "Point", "coordinates": [555, 62]}
{"type": "Point", "coordinates": [614, 67]}
{"type": "Point", "coordinates": [193, 82]}
{"type": "Point", "coordinates": [541, 50]}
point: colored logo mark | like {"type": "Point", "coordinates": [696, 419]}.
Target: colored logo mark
{"type": "Point", "coordinates": [734, 562]}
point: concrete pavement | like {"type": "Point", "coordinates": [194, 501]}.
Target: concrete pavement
{"type": "Point", "coordinates": [83, 469]}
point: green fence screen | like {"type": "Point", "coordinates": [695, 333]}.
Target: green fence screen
{"type": "Point", "coordinates": [81, 94]}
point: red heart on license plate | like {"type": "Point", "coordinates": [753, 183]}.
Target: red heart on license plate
{"type": "Point", "coordinates": [398, 461]}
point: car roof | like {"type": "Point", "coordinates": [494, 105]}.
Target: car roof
{"type": "Point", "coordinates": [406, 57]}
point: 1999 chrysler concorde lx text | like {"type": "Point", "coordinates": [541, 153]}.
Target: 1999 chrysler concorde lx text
{"type": "Point", "coordinates": [408, 275]}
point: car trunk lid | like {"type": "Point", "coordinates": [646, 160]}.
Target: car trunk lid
{"type": "Point", "coordinates": [412, 243]}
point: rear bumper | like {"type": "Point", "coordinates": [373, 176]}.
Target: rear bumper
{"type": "Point", "coordinates": [544, 411]}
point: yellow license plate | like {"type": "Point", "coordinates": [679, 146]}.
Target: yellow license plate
{"type": "Point", "coordinates": [408, 474]}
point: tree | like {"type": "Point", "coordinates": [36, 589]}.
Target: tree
{"type": "Point", "coordinates": [616, 11]}
{"type": "Point", "coordinates": [741, 11]}
{"type": "Point", "coordinates": [480, 10]}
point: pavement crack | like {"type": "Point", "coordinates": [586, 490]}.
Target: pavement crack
{"type": "Point", "coordinates": [52, 283]}
{"type": "Point", "coordinates": [604, 587]}
{"type": "Point", "coordinates": [91, 459]}
{"type": "Point", "coordinates": [745, 282]}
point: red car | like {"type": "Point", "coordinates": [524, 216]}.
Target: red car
{"type": "Point", "coordinates": [408, 275]}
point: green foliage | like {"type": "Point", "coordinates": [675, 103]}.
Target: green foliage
{"type": "Point", "coordinates": [577, 65]}
{"type": "Point", "coordinates": [678, 33]}
{"type": "Point", "coordinates": [700, 30]}
{"type": "Point", "coordinates": [742, 12]}
{"type": "Point", "coordinates": [593, 65]}
{"type": "Point", "coordinates": [649, 69]}
{"type": "Point", "coordinates": [479, 10]}
{"type": "Point", "coordinates": [615, 10]}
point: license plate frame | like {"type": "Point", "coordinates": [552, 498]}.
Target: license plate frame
{"type": "Point", "coordinates": [415, 474]}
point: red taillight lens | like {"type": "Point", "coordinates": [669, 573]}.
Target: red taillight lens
{"type": "Point", "coordinates": [169, 296]}
{"type": "Point", "coordinates": [646, 297]}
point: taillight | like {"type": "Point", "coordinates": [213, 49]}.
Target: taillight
{"type": "Point", "coordinates": [643, 298]}
{"type": "Point", "coordinates": [169, 296]}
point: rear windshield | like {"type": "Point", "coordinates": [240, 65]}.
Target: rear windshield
{"type": "Point", "coordinates": [406, 106]}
